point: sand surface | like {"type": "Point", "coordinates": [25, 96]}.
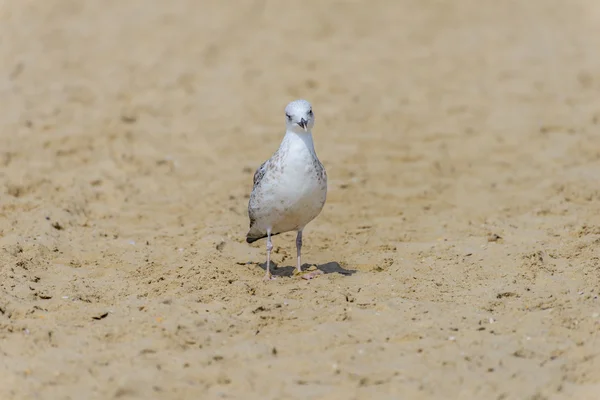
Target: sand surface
{"type": "Point", "coordinates": [460, 239]}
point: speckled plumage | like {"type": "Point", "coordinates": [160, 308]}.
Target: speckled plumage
{"type": "Point", "coordinates": [289, 191]}
{"type": "Point", "coordinates": [290, 188]}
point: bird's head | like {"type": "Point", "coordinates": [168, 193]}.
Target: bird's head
{"type": "Point", "coordinates": [299, 116]}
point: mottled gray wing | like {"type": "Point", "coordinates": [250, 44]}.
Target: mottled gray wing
{"type": "Point", "coordinates": [320, 170]}
{"type": "Point", "coordinates": [259, 174]}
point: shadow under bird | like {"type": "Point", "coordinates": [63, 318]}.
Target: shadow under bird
{"type": "Point", "coordinates": [290, 188]}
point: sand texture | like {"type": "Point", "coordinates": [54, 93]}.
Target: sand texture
{"type": "Point", "coordinates": [460, 240]}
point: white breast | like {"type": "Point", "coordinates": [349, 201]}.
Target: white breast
{"type": "Point", "coordinates": [294, 191]}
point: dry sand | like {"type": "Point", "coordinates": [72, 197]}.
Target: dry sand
{"type": "Point", "coordinates": [460, 237]}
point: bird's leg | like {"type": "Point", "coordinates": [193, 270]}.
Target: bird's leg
{"type": "Point", "coordinates": [268, 275]}
{"type": "Point", "coordinates": [308, 275]}
{"type": "Point", "coordinates": [299, 251]}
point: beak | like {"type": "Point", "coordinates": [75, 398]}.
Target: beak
{"type": "Point", "coordinates": [303, 123]}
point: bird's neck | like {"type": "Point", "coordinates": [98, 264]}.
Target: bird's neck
{"type": "Point", "coordinates": [299, 141]}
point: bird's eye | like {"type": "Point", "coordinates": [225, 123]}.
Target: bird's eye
{"type": "Point", "coordinates": [288, 116]}
{"type": "Point", "coordinates": [310, 112]}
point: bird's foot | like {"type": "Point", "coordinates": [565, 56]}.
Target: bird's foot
{"type": "Point", "coordinates": [269, 277]}
{"type": "Point", "coordinates": [311, 272]}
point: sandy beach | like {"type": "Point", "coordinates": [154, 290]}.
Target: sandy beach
{"type": "Point", "coordinates": [460, 239]}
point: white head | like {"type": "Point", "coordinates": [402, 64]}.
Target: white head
{"type": "Point", "coordinates": [299, 117]}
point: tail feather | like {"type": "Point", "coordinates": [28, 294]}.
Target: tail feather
{"type": "Point", "coordinates": [252, 239]}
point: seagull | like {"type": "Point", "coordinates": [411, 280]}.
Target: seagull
{"type": "Point", "coordinates": [290, 188]}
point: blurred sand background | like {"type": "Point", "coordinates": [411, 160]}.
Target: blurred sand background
{"type": "Point", "coordinates": [460, 237]}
